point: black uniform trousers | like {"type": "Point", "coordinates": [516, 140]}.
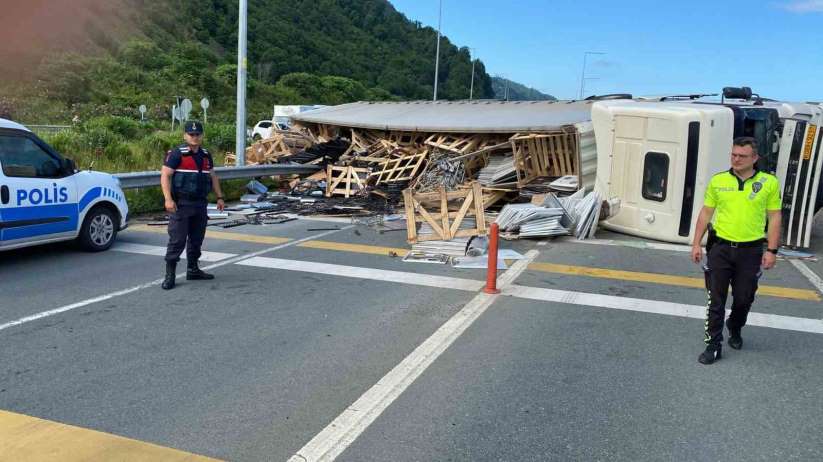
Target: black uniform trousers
{"type": "Point", "coordinates": [740, 267]}
{"type": "Point", "coordinates": [187, 228]}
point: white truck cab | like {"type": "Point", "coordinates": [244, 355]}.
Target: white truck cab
{"type": "Point", "coordinates": [655, 158]}
{"type": "Point", "coordinates": [43, 198]}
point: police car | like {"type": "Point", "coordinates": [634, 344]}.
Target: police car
{"type": "Point", "coordinates": [43, 198]}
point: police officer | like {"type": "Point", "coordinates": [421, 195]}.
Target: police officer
{"type": "Point", "coordinates": [739, 199]}
{"type": "Point", "coordinates": [186, 178]}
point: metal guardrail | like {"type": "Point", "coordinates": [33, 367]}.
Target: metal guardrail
{"type": "Point", "coordinates": [136, 180]}
{"type": "Point", "coordinates": [48, 128]}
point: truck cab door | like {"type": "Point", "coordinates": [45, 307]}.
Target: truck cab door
{"type": "Point", "coordinates": [38, 195]}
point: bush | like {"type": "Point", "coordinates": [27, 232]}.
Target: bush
{"type": "Point", "coordinates": [94, 138]}
{"type": "Point", "coordinates": [219, 137]}
{"type": "Point", "coordinates": [66, 142]}
{"type": "Point", "coordinates": [125, 127]}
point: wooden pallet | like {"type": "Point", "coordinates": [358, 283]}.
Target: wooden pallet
{"type": "Point", "coordinates": [459, 144]}
{"type": "Point", "coordinates": [545, 154]}
{"type": "Point", "coordinates": [444, 223]}
{"type": "Point", "coordinates": [345, 181]}
{"type": "Point", "coordinates": [402, 168]}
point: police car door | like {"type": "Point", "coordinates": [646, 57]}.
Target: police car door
{"type": "Point", "coordinates": [38, 197]}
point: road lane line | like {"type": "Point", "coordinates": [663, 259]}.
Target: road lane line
{"type": "Point", "coordinates": [665, 279]}
{"type": "Point", "coordinates": [224, 235]}
{"type": "Point", "coordinates": [156, 282]}
{"type": "Point", "coordinates": [810, 275]}
{"type": "Point", "coordinates": [156, 250]}
{"type": "Point", "coordinates": [359, 272]}
{"type": "Point", "coordinates": [342, 431]}
{"type": "Point", "coordinates": [773, 321]}
{"type": "Point", "coordinates": [534, 293]}
{"type": "Point", "coordinates": [26, 438]}
{"type": "Point", "coordinates": [655, 278]}
{"type": "Point", "coordinates": [356, 248]}
{"type": "Point", "coordinates": [634, 244]}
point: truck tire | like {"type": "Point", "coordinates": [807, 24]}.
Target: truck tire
{"type": "Point", "coordinates": [99, 230]}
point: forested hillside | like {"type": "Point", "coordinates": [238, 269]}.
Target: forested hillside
{"type": "Point", "coordinates": [300, 52]}
{"type": "Point", "coordinates": [504, 88]}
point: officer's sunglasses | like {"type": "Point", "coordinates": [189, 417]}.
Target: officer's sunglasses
{"type": "Point", "coordinates": [195, 135]}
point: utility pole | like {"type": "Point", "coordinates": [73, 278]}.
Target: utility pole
{"type": "Point", "coordinates": [437, 55]}
{"type": "Point", "coordinates": [583, 73]}
{"type": "Point", "coordinates": [242, 68]}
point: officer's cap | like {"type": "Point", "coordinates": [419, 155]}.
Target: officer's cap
{"type": "Point", "coordinates": [194, 127]}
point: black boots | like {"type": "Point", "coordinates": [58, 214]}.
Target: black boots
{"type": "Point", "coordinates": [735, 340]}
{"type": "Point", "coordinates": [712, 354]}
{"type": "Point", "coordinates": [168, 281]}
{"type": "Point", "coordinates": [193, 273]}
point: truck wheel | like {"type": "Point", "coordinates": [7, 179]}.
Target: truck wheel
{"type": "Point", "coordinates": [98, 231]}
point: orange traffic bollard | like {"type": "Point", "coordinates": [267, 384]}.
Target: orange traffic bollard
{"type": "Point", "coordinates": [491, 273]}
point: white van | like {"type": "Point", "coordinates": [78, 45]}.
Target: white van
{"type": "Point", "coordinates": [43, 198]}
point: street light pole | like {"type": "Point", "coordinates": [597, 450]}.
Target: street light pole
{"type": "Point", "coordinates": [471, 88]}
{"type": "Point", "coordinates": [437, 55]}
{"type": "Point", "coordinates": [242, 68]}
{"type": "Point", "coordinates": [583, 73]}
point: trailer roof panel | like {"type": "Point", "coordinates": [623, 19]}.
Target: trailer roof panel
{"type": "Point", "coordinates": [479, 116]}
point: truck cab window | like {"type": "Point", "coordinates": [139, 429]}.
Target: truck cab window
{"type": "Point", "coordinates": [22, 157]}
{"type": "Point", "coordinates": [655, 176]}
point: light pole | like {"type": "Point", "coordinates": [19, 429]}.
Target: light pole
{"type": "Point", "coordinates": [583, 73]}
{"type": "Point", "coordinates": [471, 88]}
{"type": "Point", "coordinates": [437, 55]}
{"type": "Point", "coordinates": [242, 68]}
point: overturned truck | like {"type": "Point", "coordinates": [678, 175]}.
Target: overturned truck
{"type": "Point", "coordinates": [649, 159]}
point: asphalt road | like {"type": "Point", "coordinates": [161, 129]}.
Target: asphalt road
{"type": "Point", "coordinates": [257, 363]}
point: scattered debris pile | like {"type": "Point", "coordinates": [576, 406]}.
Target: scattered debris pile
{"type": "Point", "coordinates": [447, 183]}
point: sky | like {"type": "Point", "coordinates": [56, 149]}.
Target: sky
{"type": "Point", "coordinates": [651, 47]}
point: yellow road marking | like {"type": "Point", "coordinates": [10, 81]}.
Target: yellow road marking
{"type": "Point", "coordinates": [682, 281]}
{"type": "Point", "coordinates": [655, 278]}
{"type": "Point", "coordinates": [35, 440]}
{"type": "Point", "coordinates": [357, 248]}
{"type": "Point", "coordinates": [219, 235]}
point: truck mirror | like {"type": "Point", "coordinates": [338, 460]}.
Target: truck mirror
{"type": "Point", "coordinates": [69, 166]}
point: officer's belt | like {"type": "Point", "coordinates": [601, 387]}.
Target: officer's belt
{"type": "Point", "coordinates": [756, 243]}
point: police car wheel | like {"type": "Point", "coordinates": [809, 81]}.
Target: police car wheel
{"type": "Point", "coordinates": [99, 230]}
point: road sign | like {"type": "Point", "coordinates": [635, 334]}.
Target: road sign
{"type": "Point", "coordinates": [204, 103]}
{"type": "Point", "coordinates": [142, 110]}
{"type": "Point", "coordinates": [185, 109]}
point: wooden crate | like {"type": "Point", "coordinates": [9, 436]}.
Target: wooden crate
{"type": "Point", "coordinates": [445, 223]}
{"type": "Point", "coordinates": [345, 181]}
{"type": "Point", "coordinates": [545, 155]}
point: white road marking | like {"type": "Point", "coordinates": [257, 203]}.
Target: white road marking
{"type": "Point", "coordinates": [156, 250]}
{"type": "Point", "coordinates": [156, 282]}
{"type": "Point", "coordinates": [341, 432]}
{"type": "Point", "coordinates": [810, 275]}
{"type": "Point", "coordinates": [774, 321]}
{"type": "Point", "coordinates": [366, 273]}
{"type": "Point", "coordinates": [534, 293]}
